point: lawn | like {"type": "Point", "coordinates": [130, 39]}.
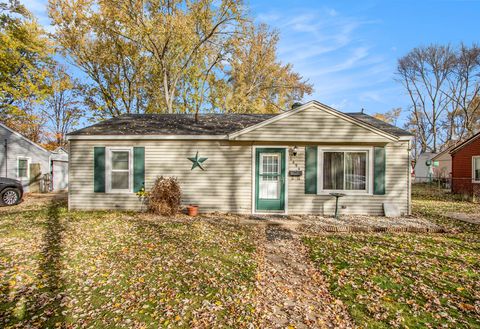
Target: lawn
{"type": "Point", "coordinates": [434, 204]}
{"type": "Point", "coordinates": [129, 270]}
{"type": "Point", "coordinates": [114, 270]}
{"type": "Point", "coordinates": [407, 280]}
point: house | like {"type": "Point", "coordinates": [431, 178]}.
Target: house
{"type": "Point", "coordinates": [442, 164]}
{"type": "Point", "coordinates": [59, 169]}
{"type": "Point", "coordinates": [466, 166]}
{"type": "Point", "coordinates": [287, 163]}
{"type": "Point", "coordinates": [28, 162]}
{"type": "Point", "coordinates": [423, 169]}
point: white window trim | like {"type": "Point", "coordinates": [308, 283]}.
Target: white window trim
{"type": "Point", "coordinates": [322, 149]}
{"type": "Point", "coordinates": [108, 169]}
{"type": "Point", "coordinates": [473, 169]}
{"type": "Point", "coordinates": [28, 166]}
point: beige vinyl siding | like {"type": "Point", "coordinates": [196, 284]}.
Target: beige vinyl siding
{"type": "Point", "coordinates": [314, 125]}
{"type": "Point", "coordinates": [396, 180]}
{"type": "Point", "coordinates": [225, 185]}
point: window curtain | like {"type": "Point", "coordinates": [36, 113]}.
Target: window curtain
{"type": "Point", "coordinates": [355, 170]}
{"type": "Point", "coordinates": [333, 170]}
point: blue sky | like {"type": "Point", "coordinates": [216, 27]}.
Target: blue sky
{"type": "Point", "coordinates": [349, 49]}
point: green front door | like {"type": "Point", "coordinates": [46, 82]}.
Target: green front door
{"type": "Point", "coordinates": [270, 179]}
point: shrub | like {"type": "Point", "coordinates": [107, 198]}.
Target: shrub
{"type": "Point", "coordinates": [164, 197]}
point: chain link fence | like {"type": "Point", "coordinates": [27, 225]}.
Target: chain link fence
{"type": "Point", "coordinates": [434, 182]}
{"type": "Point", "coordinates": [460, 186]}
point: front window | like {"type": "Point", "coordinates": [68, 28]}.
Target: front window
{"type": "Point", "coordinates": [476, 169]}
{"type": "Point", "coordinates": [344, 170]}
{"type": "Point", "coordinates": [22, 166]}
{"type": "Point", "coordinates": [119, 170]}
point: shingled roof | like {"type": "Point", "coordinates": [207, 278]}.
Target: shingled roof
{"type": "Point", "coordinates": [208, 124]}
{"type": "Point", "coordinates": [379, 124]}
{"type": "Point", "coordinates": [173, 124]}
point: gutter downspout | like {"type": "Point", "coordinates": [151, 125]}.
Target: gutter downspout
{"type": "Point", "coordinates": [409, 185]}
{"type": "Point", "coordinates": [6, 157]}
{"type": "Point", "coordinates": [50, 163]}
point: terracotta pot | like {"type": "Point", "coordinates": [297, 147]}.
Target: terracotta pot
{"type": "Point", "coordinates": [192, 210]}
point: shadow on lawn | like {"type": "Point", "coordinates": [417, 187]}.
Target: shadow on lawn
{"type": "Point", "coordinates": [39, 305]}
{"type": "Point", "coordinates": [50, 267]}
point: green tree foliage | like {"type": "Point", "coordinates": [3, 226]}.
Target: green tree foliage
{"type": "Point", "coordinates": [25, 55]}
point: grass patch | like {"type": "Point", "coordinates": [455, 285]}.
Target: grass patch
{"type": "Point", "coordinates": [114, 269]}
{"type": "Point", "coordinates": [434, 203]}
{"type": "Point", "coordinates": [403, 280]}
{"type": "Point", "coordinates": [408, 280]}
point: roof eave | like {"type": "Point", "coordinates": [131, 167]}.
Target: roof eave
{"type": "Point", "coordinates": [464, 143]}
{"type": "Point", "coordinates": [146, 137]}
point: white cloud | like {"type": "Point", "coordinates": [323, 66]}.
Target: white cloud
{"type": "Point", "coordinates": [334, 52]}
{"type": "Point", "coordinates": [332, 12]}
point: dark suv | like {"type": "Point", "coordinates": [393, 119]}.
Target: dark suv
{"type": "Point", "coordinates": [11, 191]}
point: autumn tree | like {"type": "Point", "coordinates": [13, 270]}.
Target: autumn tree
{"type": "Point", "coordinates": [178, 55]}
{"type": "Point", "coordinates": [25, 55]}
{"type": "Point", "coordinates": [390, 116]}
{"type": "Point", "coordinates": [63, 109]}
{"type": "Point", "coordinates": [258, 81]}
{"type": "Point", "coordinates": [115, 65]}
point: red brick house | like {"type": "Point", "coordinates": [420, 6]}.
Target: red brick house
{"type": "Point", "coordinates": [466, 166]}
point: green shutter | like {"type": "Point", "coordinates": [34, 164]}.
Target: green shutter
{"type": "Point", "coordinates": [379, 171]}
{"type": "Point", "coordinates": [138, 168]}
{"type": "Point", "coordinates": [99, 169]}
{"type": "Point", "coordinates": [310, 170]}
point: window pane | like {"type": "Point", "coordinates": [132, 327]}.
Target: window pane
{"type": "Point", "coordinates": [119, 180]}
{"type": "Point", "coordinates": [476, 173]}
{"type": "Point", "coordinates": [269, 179]}
{"type": "Point", "coordinates": [120, 160]}
{"type": "Point", "coordinates": [270, 164]}
{"type": "Point", "coordinates": [355, 170]}
{"type": "Point", "coordinates": [333, 171]}
{"type": "Point", "coordinates": [22, 168]}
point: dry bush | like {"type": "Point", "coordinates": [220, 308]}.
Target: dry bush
{"type": "Point", "coordinates": [164, 197]}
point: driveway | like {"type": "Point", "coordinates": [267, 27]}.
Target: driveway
{"type": "Point", "coordinates": [35, 200]}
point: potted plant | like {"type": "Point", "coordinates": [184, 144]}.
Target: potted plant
{"type": "Point", "coordinates": [192, 210]}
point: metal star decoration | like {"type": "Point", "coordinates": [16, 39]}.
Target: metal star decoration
{"type": "Point", "coordinates": [197, 162]}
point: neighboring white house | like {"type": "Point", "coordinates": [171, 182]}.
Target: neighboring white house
{"type": "Point", "coordinates": [288, 163]}
{"type": "Point", "coordinates": [19, 155]}
{"type": "Point", "coordinates": [423, 171]}
{"type": "Point", "coordinates": [59, 169]}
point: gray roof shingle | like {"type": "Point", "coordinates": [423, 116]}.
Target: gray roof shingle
{"type": "Point", "coordinates": [173, 124]}
{"type": "Point", "coordinates": [379, 124]}
{"type": "Point", "coordinates": [208, 124]}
